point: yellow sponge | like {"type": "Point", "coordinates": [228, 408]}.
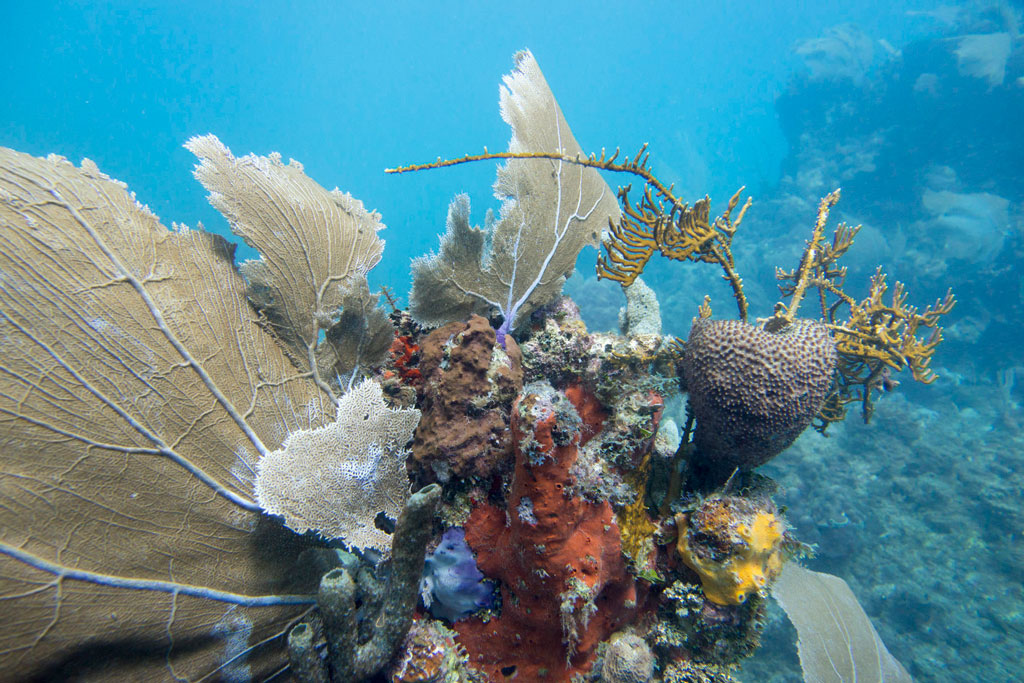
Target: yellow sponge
{"type": "Point", "coordinates": [735, 546]}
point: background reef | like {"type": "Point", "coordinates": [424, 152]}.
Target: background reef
{"type": "Point", "coordinates": [913, 111]}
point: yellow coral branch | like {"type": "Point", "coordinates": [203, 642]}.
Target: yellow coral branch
{"type": "Point", "coordinates": [635, 526]}
{"type": "Point", "coordinates": [879, 335]}
{"type": "Point", "coordinates": [810, 261]}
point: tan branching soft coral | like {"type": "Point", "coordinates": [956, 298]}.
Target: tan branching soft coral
{"type": "Point", "coordinates": [735, 545]}
{"type": "Point", "coordinates": [879, 337]}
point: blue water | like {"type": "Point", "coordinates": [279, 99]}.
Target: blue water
{"type": "Point", "coordinates": [913, 109]}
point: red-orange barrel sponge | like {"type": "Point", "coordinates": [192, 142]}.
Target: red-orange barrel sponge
{"type": "Point", "coordinates": [735, 545]}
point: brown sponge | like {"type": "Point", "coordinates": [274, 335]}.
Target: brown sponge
{"type": "Point", "coordinates": [468, 384]}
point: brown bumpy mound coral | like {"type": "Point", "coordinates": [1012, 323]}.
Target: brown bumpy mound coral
{"type": "Point", "coordinates": [468, 382]}
{"type": "Point", "coordinates": [752, 392]}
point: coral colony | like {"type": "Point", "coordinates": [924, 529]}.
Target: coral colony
{"type": "Point", "coordinates": [216, 464]}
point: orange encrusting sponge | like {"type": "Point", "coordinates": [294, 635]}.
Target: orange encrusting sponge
{"type": "Point", "coordinates": [734, 547]}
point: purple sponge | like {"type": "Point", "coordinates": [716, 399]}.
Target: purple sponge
{"type": "Point", "coordinates": [452, 587]}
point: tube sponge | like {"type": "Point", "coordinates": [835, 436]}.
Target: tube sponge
{"type": "Point", "coordinates": [452, 587]}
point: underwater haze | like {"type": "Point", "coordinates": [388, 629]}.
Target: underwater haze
{"type": "Point", "coordinates": [914, 109]}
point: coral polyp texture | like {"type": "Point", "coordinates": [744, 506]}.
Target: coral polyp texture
{"type": "Point", "coordinates": [753, 392]}
{"type": "Point", "coordinates": [734, 545]}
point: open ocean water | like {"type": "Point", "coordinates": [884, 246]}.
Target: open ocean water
{"type": "Point", "coordinates": [914, 109]}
